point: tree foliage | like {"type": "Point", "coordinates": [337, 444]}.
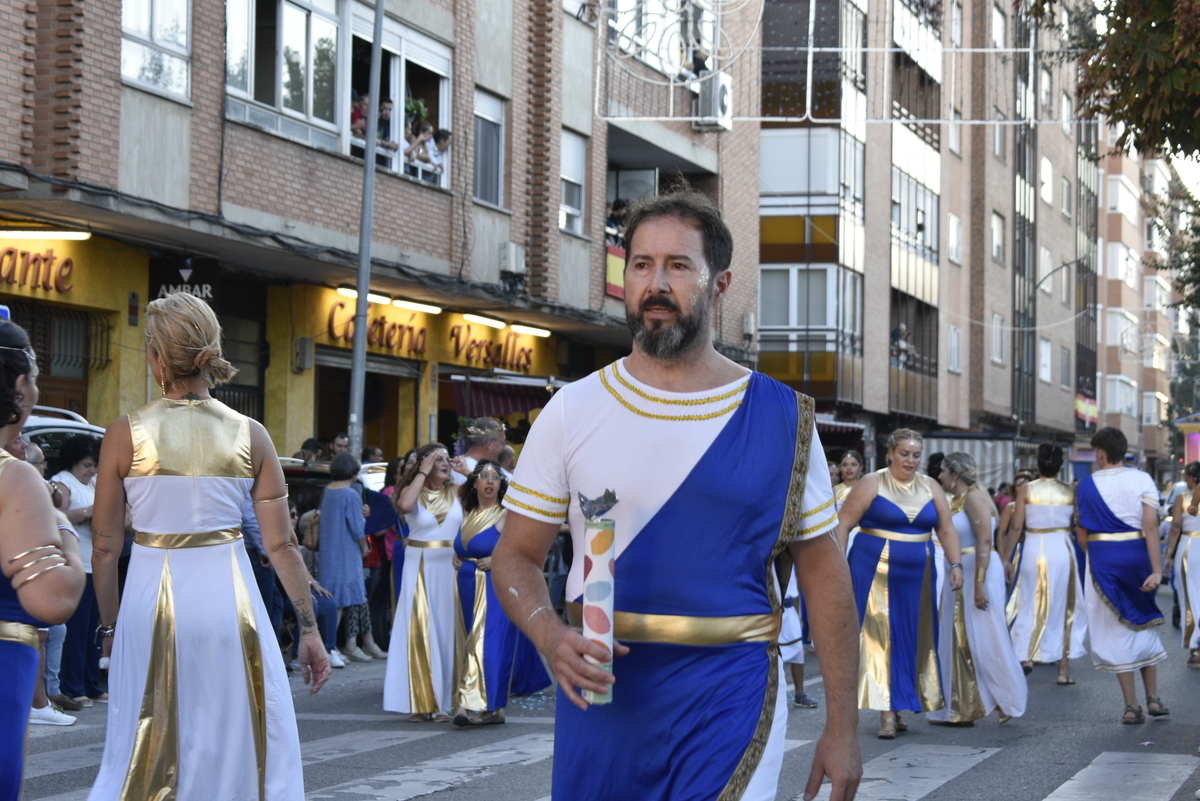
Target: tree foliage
{"type": "Point", "coordinates": [1139, 65]}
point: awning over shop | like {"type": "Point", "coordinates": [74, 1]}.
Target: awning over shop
{"type": "Point", "coordinates": [501, 396]}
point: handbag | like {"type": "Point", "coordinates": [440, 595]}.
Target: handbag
{"type": "Point", "coordinates": [311, 532]}
{"type": "Point", "coordinates": [374, 557]}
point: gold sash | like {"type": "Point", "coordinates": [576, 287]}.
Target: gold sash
{"type": "Point", "coordinates": [24, 633]}
{"type": "Point", "coordinates": [1060, 530]}
{"type": "Point", "coordinates": [1115, 536]}
{"type": "Point", "coordinates": [201, 540]}
{"type": "Point", "coordinates": [686, 630]}
{"type": "Point", "coordinates": [892, 535]}
{"type": "Point", "coordinates": [431, 543]}
{"type": "Point", "coordinates": [439, 502]}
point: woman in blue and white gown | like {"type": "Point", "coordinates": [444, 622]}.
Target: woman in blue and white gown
{"type": "Point", "coordinates": [893, 570]}
{"type": "Point", "coordinates": [490, 648]}
{"type": "Point", "coordinates": [420, 678]}
{"type": "Point", "coordinates": [980, 669]}
{"type": "Point", "coordinates": [1185, 535]}
{"type": "Point", "coordinates": [200, 706]}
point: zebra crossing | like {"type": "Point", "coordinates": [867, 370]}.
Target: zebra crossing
{"type": "Point", "coordinates": [906, 772]}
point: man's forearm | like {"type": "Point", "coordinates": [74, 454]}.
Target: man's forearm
{"type": "Point", "coordinates": [523, 593]}
{"type": "Point", "coordinates": [833, 618]}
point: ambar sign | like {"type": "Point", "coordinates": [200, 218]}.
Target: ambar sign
{"type": "Point", "coordinates": [36, 270]}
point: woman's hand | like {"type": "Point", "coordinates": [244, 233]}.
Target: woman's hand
{"type": "Point", "coordinates": [362, 546]}
{"type": "Point", "coordinates": [428, 462]}
{"type": "Point", "coordinates": [459, 465]}
{"type": "Point", "coordinates": [1010, 572]}
{"type": "Point", "coordinates": [1151, 583]}
{"type": "Point", "coordinates": [456, 562]}
{"type": "Point", "coordinates": [956, 578]}
{"type": "Point", "coordinates": [981, 599]}
{"type": "Point", "coordinates": [319, 590]}
{"type": "Point", "coordinates": [1167, 565]}
{"type": "Point", "coordinates": [484, 564]}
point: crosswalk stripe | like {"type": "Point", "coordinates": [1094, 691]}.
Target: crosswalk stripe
{"type": "Point", "coordinates": [443, 773]}
{"type": "Point", "coordinates": [1128, 776]}
{"type": "Point", "coordinates": [312, 752]}
{"type": "Point", "coordinates": [911, 772]}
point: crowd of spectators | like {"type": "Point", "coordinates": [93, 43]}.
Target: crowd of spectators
{"type": "Point", "coordinates": [422, 149]}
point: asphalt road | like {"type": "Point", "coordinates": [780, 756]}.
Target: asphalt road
{"type": "Point", "coordinates": [1068, 747]}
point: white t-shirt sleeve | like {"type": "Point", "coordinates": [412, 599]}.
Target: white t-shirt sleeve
{"type": "Point", "coordinates": [539, 486]}
{"type": "Point", "coordinates": [1149, 491]}
{"type": "Point", "coordinates": [818, 513]}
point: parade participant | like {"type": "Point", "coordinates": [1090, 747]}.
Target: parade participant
{"type": "Point", "coordinates": [420, 678]}
{"type": "Point", "coordinates": [484, 439]}
{"type": "Point", "coordinates": [39, 555]}
{"type": "Point", "coordinates": [894, 573]}
{"type": "Point", "coordinates": [488, 661]}
{"type": "Point", "coordinates": [851, 467]}
{"type": "Point", "coordinates": [980, 670]}
{"type": "Point", "coordinates": [1118, 520]}
{"type": "Point", "coordinates": [1185, 532]}
{"type": "Point", "coordinates": [1045, 610]}
{"type": "Point", "coordinates": [200, 706]}
{"type": "Point", "coordinates": [791, 643]}
{"type": "Point", "coordinates": [717, 471]}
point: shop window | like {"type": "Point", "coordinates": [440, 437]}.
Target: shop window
{"type": "Point", "coordinates": [489, 148]}
{"type": "Point", "coordinates": [156, 45]}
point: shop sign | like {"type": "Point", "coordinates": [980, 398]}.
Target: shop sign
{"type": "Point", "coordinates": [36, 270]}
{"type": "Point", "coordinates": [409, 339]}
{"type": "Point", "coordinates": [196, 277]}
{"type": "Point", "coordinates": [399, 337]}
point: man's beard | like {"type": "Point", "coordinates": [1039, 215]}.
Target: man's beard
{"type": "Point", "coordinates": [663, 340]}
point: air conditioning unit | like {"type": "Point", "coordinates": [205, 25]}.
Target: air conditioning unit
{"type": "Point", "coordinates": [512, 258]}
{"type": "Point", "coordinates": [714, 107]}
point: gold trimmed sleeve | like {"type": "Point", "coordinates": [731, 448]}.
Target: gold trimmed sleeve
{"type": "Point", "coordinates": [811, 507]}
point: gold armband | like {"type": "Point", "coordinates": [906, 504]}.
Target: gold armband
{"type": "Point", "coordinates": [23, 554]}
{"type": "Point", "coordinates": [282, 497]}
{"type": "Point", "coordinates": [980, 573]}
{"type": "Point", "coordinates": [28, 579]}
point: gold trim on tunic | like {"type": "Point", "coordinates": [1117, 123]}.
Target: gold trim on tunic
{"type": "Point", "coordinates": [929, 685]}
{"type": "Point", "coordinates": [422, 699]}
{"type": "Point", "coordinates": [1070, 602]}
{"type": "Point", "coordinates": [1189, 620]}
{"type": "Point", "coordinates": [1115, 536]}
{"type": "Point", "coordinates": [687, 630]}
{"type": "Point", "coordinates": [439, 502]}
{"type": "Point", "coordinates": [875, 642]}
{"type": "Point", "coordinates": [190, 438]}
{"type": "Point", "coordinates": [1059, 530]}
{"type": "Point", "coordinates": [534, 493]}
{"type": "Point", "coordinates": [895, 535]}
{"type": "Point", "coordinates": [1049, 492]}
{"type": "Point", "coordinates": [154, 764]}
{"type": "Point", "coordinates": [253, 660]}
{"type": "Point", "coordinates": [965, 701]}
{"type": "Point", "coordinates": [479, 520]}
{"type": "Point", "coordinates": [23, 633]}
{"type": "Point", "coordinates": [677, 401]}
{"type": "Point", "coordinates": [431, 543]}
{"type": "Point", "coordinates": [1041, 606]}
{"type": "Point", "coordinates": [472, 687]}
{"type": "Point", "coordinates": [669, 417]}
{"type": "Point", "coordinates": [910, 497]}
{"type": "Point", "coordinates": [200, 540]}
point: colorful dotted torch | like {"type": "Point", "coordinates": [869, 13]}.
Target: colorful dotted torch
{"type": "Point", "coordinates": [599, 567]}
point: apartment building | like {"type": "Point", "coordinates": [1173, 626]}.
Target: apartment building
{"type": "Point", "coordinates": [214, 147]}
{"type": "Point", "coordinates": [942, 276]}
{"type": "Point", "coordinates": [1134, 303]}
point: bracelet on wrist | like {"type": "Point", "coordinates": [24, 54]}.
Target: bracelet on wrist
{"type": "Point", "coordinates": [103, 631]}
{"type": "Point", "coordinates": [956, 564]}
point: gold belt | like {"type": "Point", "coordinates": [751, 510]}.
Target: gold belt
{"type": "Point", "coordinates": [892, 535]}
{"type": "Point", "coordinates": [1115, 536]}
{"type": "Point", "coordinates": [1048, 530]}
{"type": "Point", "coordinates": [431, 543]}
{"type": "Point", "coordinates": [11, 631]}
{"type": "Point", "coordinates": [1190, 533]}
{"type": "Point", "coordinates": [686, 630]}
{"type": "Point", "coordinates": [201, 540]}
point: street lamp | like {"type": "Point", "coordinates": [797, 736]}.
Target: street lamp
{"type": "Point", "coordinates": [1025, 332]}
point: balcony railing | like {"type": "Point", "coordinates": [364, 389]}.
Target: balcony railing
{"type": "Point", "coordinates": [912, 385]}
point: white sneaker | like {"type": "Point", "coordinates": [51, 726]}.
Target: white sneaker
{"type": "Point", "coordinates": [355, 654]}
{"type": "Point", "coordinates": [50, 715]}
{"type": "Point", "coordinates": [336, 660]}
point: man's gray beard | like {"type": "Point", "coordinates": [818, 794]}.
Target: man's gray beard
{"type": "Point", "coordinates": [669, 342]}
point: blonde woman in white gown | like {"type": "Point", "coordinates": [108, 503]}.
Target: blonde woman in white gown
{"type": "Point", "coordinates": [420, 679]}
{"type": "Point", "coordinates": [980, 670]}
{"type": "Point", "coordinates": [200, 706]}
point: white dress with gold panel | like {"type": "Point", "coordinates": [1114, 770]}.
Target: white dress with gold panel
{"type": "Point", "coordinates": [1046, 611]}
{"type": "Point", "coordinates": [1187, 577]}
{"type": "Point", "coordinates": [199, 702]}
{"type": "Point", "coordinates": [420, 673]}
{"type": "Point", "coordinates": [980, 671]}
